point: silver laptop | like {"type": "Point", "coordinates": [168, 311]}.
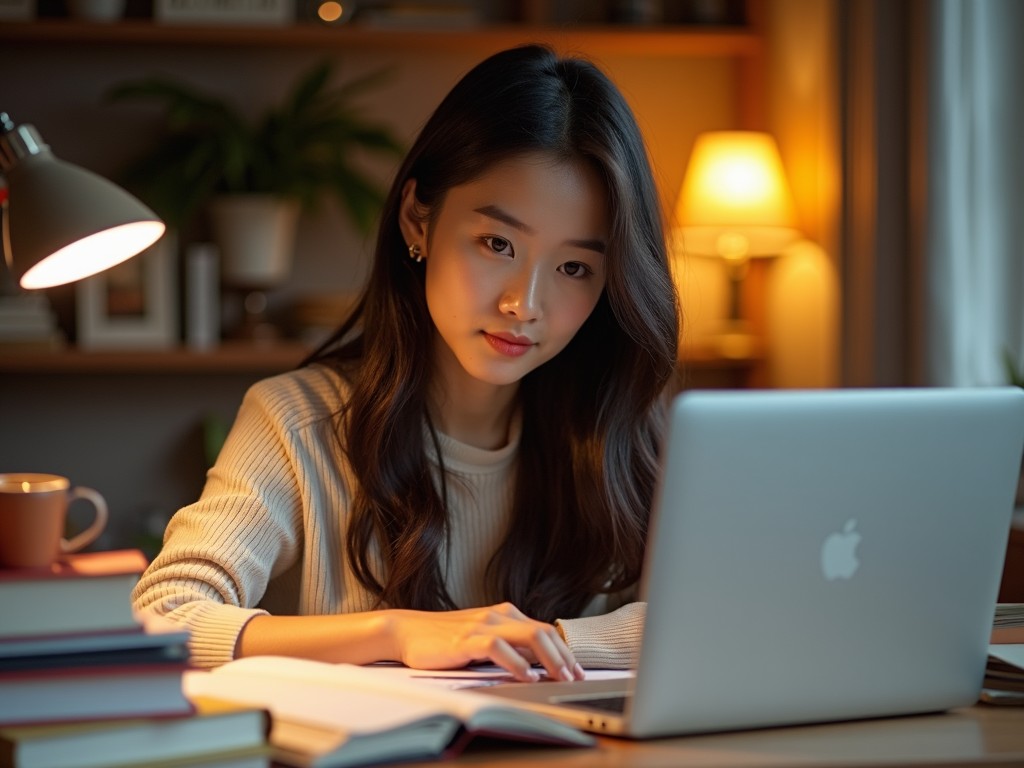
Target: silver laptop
{"type": "Point", "coordinates": [814, 556]}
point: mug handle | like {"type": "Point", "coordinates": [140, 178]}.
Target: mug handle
{"type": "Point", "coordinates": [90, 534]}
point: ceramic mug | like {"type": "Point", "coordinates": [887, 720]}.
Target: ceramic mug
{"type": "Point", "coordinates": [33, 509]}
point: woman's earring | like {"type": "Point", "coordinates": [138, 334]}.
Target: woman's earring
{"type": "Point", "coordinates": [415, 253]}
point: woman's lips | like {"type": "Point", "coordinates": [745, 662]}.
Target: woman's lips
{"type": "Point", "coordinates": [507, 344]}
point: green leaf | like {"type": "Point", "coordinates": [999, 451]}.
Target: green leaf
{"type": "Point", "coordinates": [301, 148]}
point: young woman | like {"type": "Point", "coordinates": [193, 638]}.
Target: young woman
{"type": "Point", "coordinates": [464, 470]}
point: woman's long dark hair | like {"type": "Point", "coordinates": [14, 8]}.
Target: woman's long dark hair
{"type": "Point", "coordinates": [592, 416]}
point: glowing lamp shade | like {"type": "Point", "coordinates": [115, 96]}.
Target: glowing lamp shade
{"type": "Point", "coordinates": [63, 223]}
{"type": "Point", "coordinates": [735, 201]}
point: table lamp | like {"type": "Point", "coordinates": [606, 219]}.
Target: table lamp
{"type": "Point", "coordinates": [735, 204]}
{"type": "Point", "coordinates": [62, 223]}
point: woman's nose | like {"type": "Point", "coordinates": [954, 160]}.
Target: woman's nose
{"type": "Point", "coordinates": [523, 296]}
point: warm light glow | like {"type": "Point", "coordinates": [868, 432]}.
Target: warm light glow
{"type": "Point", "coordinates": [330, 11]}
{"type": "Point", "coordinates": [735, 201]}
{"type": "Point", "coordinates": [93, 254]}
{"type": "Point", "coordinates": [32, 482]}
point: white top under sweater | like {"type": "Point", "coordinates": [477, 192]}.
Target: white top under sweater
{"type": "Point", "coordinates": [267, 535]}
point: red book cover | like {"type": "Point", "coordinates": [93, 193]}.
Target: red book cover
{"type": "Point", "coordinates": [116, 562]}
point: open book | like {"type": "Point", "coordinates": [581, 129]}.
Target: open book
{"type": "Point", "coordinates": [333, 715]}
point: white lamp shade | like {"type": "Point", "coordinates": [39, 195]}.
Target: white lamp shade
{"type": "Point", "coordinates": [735, 200]}
{"type": "Point", "coordinates": [65, 223]}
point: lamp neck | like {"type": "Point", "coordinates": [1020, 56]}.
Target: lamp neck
{"type": "Point", "coordinates": [18, 142]}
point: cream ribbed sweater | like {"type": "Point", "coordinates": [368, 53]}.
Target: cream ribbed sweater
{"type": "Point", "coordinates": [267, 535]}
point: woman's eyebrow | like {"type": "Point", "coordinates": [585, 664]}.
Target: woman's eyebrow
{"type": "Point", "coordinates": [494, 212]}
{"type": "Point", "coordinates": [498, 214]}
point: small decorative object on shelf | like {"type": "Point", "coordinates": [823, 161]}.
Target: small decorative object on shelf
{"type": "Point", "coordinates": [97, 10]}
{"type": "Point", "coordinates": [27, 321]}
{"type": "Point", "coordinates": [133, 305]}
{"type": "Point", "coordinates": [202, 296]}
{"type": "Point", "coordinates": [273, 12]}
{"type": "Point", "coordinates": [712, 12]}
{"type": "Point", "coordinates": [330, 12]}
{"type": "Point", "coordinates": [414, 14]}
{"type": "Point", "coordinates": [17, 10]}
{"type": "Point", "coordinates": [637, 11]}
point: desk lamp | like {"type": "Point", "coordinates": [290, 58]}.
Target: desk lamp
{"type": "Point", "coordinates": [735, 204]}
{"type": "Point", "coordinates": [62, 223]}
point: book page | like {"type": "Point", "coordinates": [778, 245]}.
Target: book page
{"type": "Point", "coordinates": [478, 676]}
{"type": "Point", "coordinates": [309, 692]}
{"type": "Point", "coordinates": [350, 698]}
{"type": "Point", "coordinates": [1011, 653]}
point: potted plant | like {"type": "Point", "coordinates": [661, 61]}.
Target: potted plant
{"type": "Point", "coordinates": [253, 177]}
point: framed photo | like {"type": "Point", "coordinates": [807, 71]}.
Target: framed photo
{"type": "Point", "coordinates": [132, 305]}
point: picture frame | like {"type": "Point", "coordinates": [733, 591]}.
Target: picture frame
{"type": "Point", "coordinates": [133, 305]}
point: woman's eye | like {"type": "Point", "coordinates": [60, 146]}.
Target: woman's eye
{"type": "Point", "coordinates": [499, 245]}
{"type": "Point", "coordinates": [575, 269]}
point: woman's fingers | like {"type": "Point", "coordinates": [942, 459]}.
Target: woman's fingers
{"type": "Point", "coordinates": [500, 634]}
{"type": "Point", "coordinates": [499, 651]}
{"type": "Point", "coordinates": [551, 652]}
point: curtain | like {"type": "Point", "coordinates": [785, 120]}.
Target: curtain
{"type": "Point", "coordinates": [975, 219]}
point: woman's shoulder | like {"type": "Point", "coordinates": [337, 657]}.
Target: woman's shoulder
{"type": "Point", "coordinates": [301, 396]}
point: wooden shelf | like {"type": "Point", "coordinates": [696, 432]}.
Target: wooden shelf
{"type": "Point", "coordinates": [660, 40]}
{"type": "Point", "coordinates": [241, 357]}
{"type": "Point", "coordinates": [230, 357]}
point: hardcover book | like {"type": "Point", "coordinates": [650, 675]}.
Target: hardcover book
{"type": "Point", "coordinates": [335, 715]}
{"type": "Point", "coordinates": [88, 592]}
{"type": "Point", "coordinates": [217, 731]}
{"type": "Point", "coordinates": [63, 694]}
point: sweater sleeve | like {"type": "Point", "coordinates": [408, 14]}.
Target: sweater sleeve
{"type": "Point", "coordinates": [609, 641]}
{"type": "Point", "coordinates": [220, 553]}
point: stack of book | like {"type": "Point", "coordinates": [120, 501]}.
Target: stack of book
{"type": "Point", "coordinates": [84, 681]}
{"type": "Point", "coordinates": [28, 322]}
{"type": "Point", "coordinates": [1008, 625]}
{"type": "Point", "coordinates": [1004, 670]}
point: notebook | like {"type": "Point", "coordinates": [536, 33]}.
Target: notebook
{"type": "Point", "coordinates": [814, 556]}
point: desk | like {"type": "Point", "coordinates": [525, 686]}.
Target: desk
{"type": "Point", "coordinates": [980, 735]}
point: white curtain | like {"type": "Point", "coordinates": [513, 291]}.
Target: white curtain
{"type": "Point", "coordinates": [975, 229]}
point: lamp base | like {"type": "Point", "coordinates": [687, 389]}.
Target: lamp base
{"type": "Point", "coordinates": [736, 341]}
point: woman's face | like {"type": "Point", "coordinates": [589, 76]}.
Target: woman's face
{"type": "Point", "coordinates": [515, 263]}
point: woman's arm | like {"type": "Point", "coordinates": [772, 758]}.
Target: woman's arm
{"type": "Point", "coordinates": [499, 634]}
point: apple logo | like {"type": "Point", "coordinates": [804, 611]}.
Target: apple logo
{"type": "Point", "coordinates": [838, 553]}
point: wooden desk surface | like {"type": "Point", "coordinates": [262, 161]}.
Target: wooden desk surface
{"type": "Point", "coordinates": [980, 735]}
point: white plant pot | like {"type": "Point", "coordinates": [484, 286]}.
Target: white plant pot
{"type": "Point", "coordinates": [256, 236]}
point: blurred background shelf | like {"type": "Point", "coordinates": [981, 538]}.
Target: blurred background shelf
{"type": "Point", "coordinates": [702, 363]}
{"type": "Point", "coordinates": [229, 357]}
{"type": "Point", "coordinates": [647, 40]}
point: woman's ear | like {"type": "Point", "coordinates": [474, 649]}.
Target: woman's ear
{"type": "Point", "coordinates": [412, 217]}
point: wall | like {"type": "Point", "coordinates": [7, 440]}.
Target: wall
{"type": "Point", "coordinates": [803, 106]}
{"type": "Point", "coordinates": [135, 437]}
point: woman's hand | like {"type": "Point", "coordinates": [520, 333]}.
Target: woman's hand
{"type": "Point", "coordinates": [499, 634]}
